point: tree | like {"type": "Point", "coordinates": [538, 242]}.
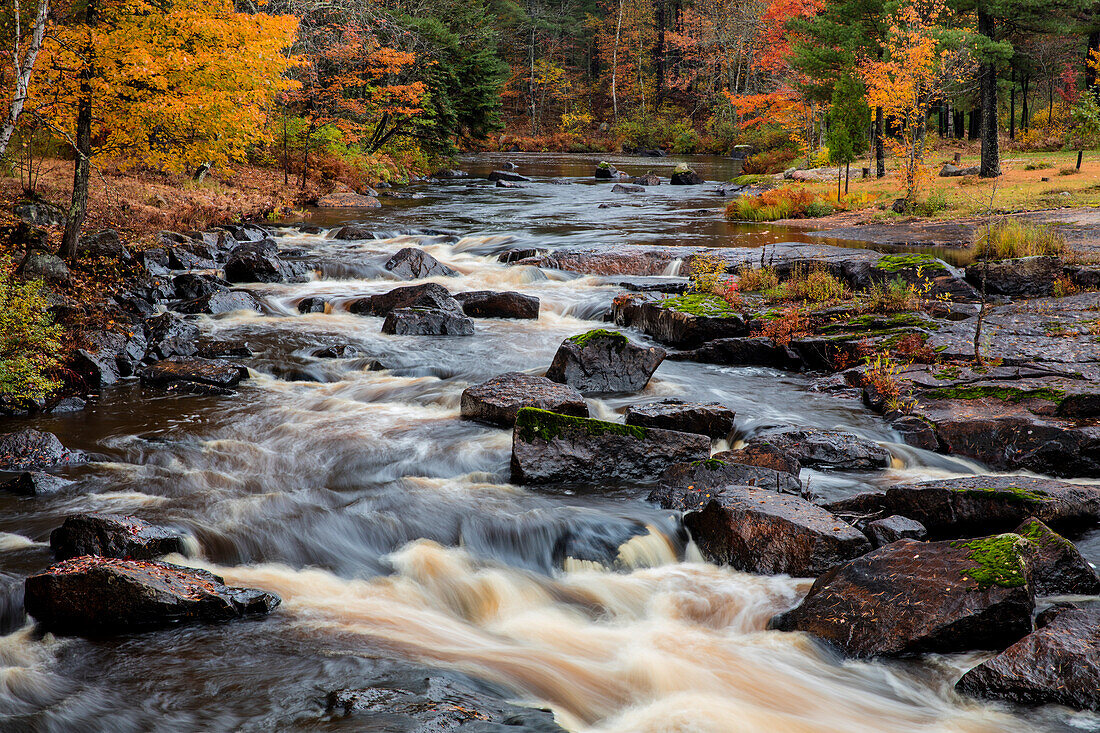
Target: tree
{"type": "Point", "coordinates": [24, 52]}
{"type": "Point", "coordinates": [848, 119]}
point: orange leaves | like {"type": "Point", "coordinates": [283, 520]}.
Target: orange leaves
{"type": "Point", "coordinates": [774, 41]}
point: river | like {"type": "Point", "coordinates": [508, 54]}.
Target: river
{"type": "Point", "coordinates": [388, 527]}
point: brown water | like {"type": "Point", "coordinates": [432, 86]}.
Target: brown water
{"type": "Point", "coordinates": [389, 529]}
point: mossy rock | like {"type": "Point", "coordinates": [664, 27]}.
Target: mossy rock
{"type": "Point", "coordinates": [897, 263]}
{"type": "Point", "coordinates": [997, 560]}
{"type": "Point", "coordinates": [1005, 394]}
{"type": "Point", "coordinates": [704, 305]}
{"type": "Point", "coordinates": [535, 424]}
{"type": "Point", "coordinates": [584, 339]}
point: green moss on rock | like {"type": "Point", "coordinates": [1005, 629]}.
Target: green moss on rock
{"type": "Point", "coordinates": [1014, 493]}
{"type": "Point", "coordinates": [711, 464]}
{"type": "Point", "coordinates": [996, 561]}
{"type": "Point", "coordinates": [1007, 394]}
{"type": "Point", "coordinates": [699, 304]}
{"type": "Point", "coordinates": [895, 263]}
{"type": "Point", "coordinates": [584, 339]}
{"type": "Point", "coordinates": [532, 423]}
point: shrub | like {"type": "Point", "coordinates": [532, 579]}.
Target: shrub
{"type": "Point", "coordinates": [780, 203]}
{"type": "Point", "coordinates": [769, 161]}
{"type": "Point", "coordinates": [754, 280]}
{"type": "Point", "coordinates": [934, 203]}
{"type": "Point", "coordinates": [1064, 286]}
{"type": "Point", "coordinates": [1039, 166]}
{"type": "Point", "coordinates": [892, 296]}
{"type": "Point", "coordinates": [707, 273]}
{"type": "Point", "coordinates": [732, 295]}
{"type": "Point", "coordinates": [812, 284]}
{"type": "Point", "coordinates": [790, 324]}
{"type": "Point", "coordinates": [815, 209]}
{"type": "Point", "coordinates": [1015, 238]}
{"type": "Point", "coordinates": [30, 342]}
{"type": "Point", "coordinates": [881, 376]}
{"type": "Point", "coordinates": [1068, 171]}
{"type": "Point", "coordinates": [913, 348]}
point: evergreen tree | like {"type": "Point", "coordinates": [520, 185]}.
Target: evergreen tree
{"type": "Point", "coordinates": [848, 120]}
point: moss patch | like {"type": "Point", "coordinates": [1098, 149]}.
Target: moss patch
{"type": "Point", "coordinates": [895, 263]}
{"type": "Point", "coordinates": [532, 423]}
{"type": "Point", "coordinates": [1014, 493]}
{"type": "Point", "coordinates": [583, 339]}
{"type": "Point", "coordinates": [996, 561]}
{"type": "Point", "coordinates": [699, 304]}
{"type": "Point", "coordinates": [1007, 394]}
{"type": "Point", "coordinates": [1043, 536]}
{"type": "Point", "coordinates": [711, 464]}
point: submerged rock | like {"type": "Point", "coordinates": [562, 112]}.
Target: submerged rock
{"type": "Point", "coordinates": [498, 400]}
{"type": "Point", "coordinates": [34, 450]}
{"type": "Point", "coordinates": [260, 262]}
{"type": "Point", "coordinates": [92, 595]}
{"type": "Point", "coordinates": [426, 322]}
{"type": "Point", "coordinates": [760, 531]}
{"type": "Point", "coordinates": [112, 535]}
{"type": "Point", "coordinates": [602, 361]}
{"type": "Point", "coordinates": [507, 176]}
{"type": "Point", "coordinates": [552, 448]}
{"type": "Point", "coordinates": [194, 375]}
{"type": "Point", "coordinates": [411, 263]}
{"type": "Point", "coordinates": [1056, 665]}
{"type": "Point", "coordinates": [685, 485]}
{"type": "Point", "coordinates": [920, 597]}
{"type": "Point", "coordinates": [1055, 565]}
{"type": "Point", "coordinates": [712, 419]}
{"type": "Point", "coordinates": [649, 179]}
{"type": "Point", "coordinates": [627, 188]}
{"type": "Point", "coordinates": [492, 304]}
{"type": "Point", "coordinates": [35, 483]}
{"type": "Point", "coordinates": [427, 295]}
{"type": "Point", "coordinates": [827, 449]}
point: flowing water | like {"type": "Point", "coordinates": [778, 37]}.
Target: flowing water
{"type": "Point", "coordinates": [390, 530]}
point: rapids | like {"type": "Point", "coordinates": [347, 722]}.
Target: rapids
{"type": "Point", "coordinates": [388, 527]}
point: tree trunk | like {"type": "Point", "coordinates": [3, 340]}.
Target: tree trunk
{"type": "Point", "coordinates": [880, 148]}
{"type": "Point", "coordinates": [949, 121]}
{"type": "Point", "coordinates": [615, 65]}
{"type": "Point", "coordinates": [991, 154]}
{"type": "Point", "coordinates": [847, 173]}
{"type": "Point", "coordinates": [1012, 108]}
{"type": "Point", "coordinates": [78, 206]}
{"type": "Point", "coordinates": [659, 52]}
{"type": "Point", "coordinates": [23, 68]}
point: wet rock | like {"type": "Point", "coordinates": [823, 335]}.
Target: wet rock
{"type": "Point", "coordinates": [861, 506]}
{"type": "Point", "coordinates": [1056, 665]}
{"type": "Point", "coordinates": [428, 295]}
{"type": "Point", "coordinates": [225, 350]}
{"type": "Point", "coordinates": [627, 188]}
{"type": "Point", "coordinates": [749, 351]}
{"type": "Point", "coordinates": [765, 455]}
{"type": "Point", "coordinates": [606, 172]}
{"type": "Point", "coordinates": [191, 255]}
{"type": "Point", "coordinates": [952, 171]}
{"type": "Point", "coordinates": [493, 304]}
{"type": "Point", "coordinates": [342, 351]}
{"type": "Point", "coordinates": [1054, 564]}
{"type": "Point", "coordinates": [894, 528]}
{"type": "Point", "coordinates": [43, 265]}
{"type": "Point", "coordinates": [515, 255]}
{"type": "Point", "coordinates": [954, 507]}
{"type": "Point", "coordinates": [602, 361]}
{"type": "Point", "coordinates": [34, 450]}
{"type": "Point", "coordinates": [510, 184]}
{"type": "Point", "coordinates": [347, 200]}
{"type": "Point", "coordinates": [260, 262]}
{"type": "Point", "coordinates": [190, 286]}
{"type": "Point", "coordinates": [920, 597]}
{"type": "Point", "coordinates": [155, 261]}
{"type": "Point", "coordinates": [107, 356]}
{"type": "Point", "coordinates": [171, 336]}
{"type": "Point", "coordinates": [192, 375]}
{"type": "Point", "coordinates": [222, 301]}
{"type": "Point", "coordinates": [427, 322]}
{"type": "Point", "coordinates": [92, 595]}
{"type": "Point", "coordinates": [313, 305]}
{"type": "Point", "coordinates": [411, 263]}
{"type": "Point", "coordinates": [112, 535]}
{"type": "Point", "coordinates": [507, 176]}
{"type": "Point", "coordinates": [686, 486]}
{"type": "Point", "coordinates": [354, 231]}
{"type": "Point", "coordinates": [916, 432]}
{"type": "Point", "coordinates": [649, 179]}
{"type": "Point", "coordinates": [760, 531]}
{"type": "Point", "coordinates": [712, 419]}
{"type": "Point", "coordinates": [450, 173]}
{"type": "Point", "coordinates": [552, 448]}
{"type": "Point", "coordinates": [68, 404]}
{"type": "Point", "coordinates": [40, 212]}
{"type": "Point", "coordinates": [685, 176]}
{"type": "Point", "coordinates": [675, 327]}
{"type": "Point", "coordinates": [425, 700]}
{"type": "Point", "coordinates": [35, 483]}
{"type": "Point", "coordinates": [827, 449]}
{"type": "Point", "coordinates": [104, 244]}
{"type": "Point", "coordinates": [498, 400]}
{"type": "Point", "coordinates": [1021, 277]}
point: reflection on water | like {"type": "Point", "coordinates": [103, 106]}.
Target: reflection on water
{"type": "Point", "coordinates": [389, 528]}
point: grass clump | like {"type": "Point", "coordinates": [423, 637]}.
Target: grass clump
{"type": "Point", "coordinates": [583, 339]}
{"type": "Point", "coordinates": [1068, 171]}
{"type": "Point", "coordinates": [700, 304]}
{"type": "Point", "coordinates": [1041, 165]}
{"type": "Point", "coordinates": [533, 423]}
{"type": "Point", "coordinates": [1014, 238]}
{"type": "Point", "coordinates": [750, 279]}
{"type": "Point", "coordinates": [996, 561]}
{"type": "Point", "coordinates": [809, 283]}
{"type": "Point", "coordinates": [780, 203]}
{"type": "Point", "coordinates": [30, 342]}
{"type": "Point", "coordinates": [892, 296]}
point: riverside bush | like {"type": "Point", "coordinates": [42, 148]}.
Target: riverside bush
{"type": "Point", "coordinates": [1015, 238]}
{"type": "Point", "coordinates": [30, 342]}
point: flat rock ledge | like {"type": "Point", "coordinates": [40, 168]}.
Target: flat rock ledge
{"type": "Point", "coordinates": [497, 401]}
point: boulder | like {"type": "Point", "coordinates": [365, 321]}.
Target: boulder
{"type": "Point", "coordinates": [260, 262]}
{"type": "Point", "coordinates": [155, 261]}
{"type": "Point", "coordinates": [951, 171]}
{"type": "Point", "coordinates": [749, 351]}
{"type": "Point", "coordinates": [893, 528]}
{"type": "Point", "coordinates": [190, 255]}
{"type": "Point", "coordinates": [348, 200]}
{"type": "Point", "coordinates": [920, 597]}
{"type": "Point", "coordinates": [107, 356]}
{"type": "Point", "coordinates": [222, 301]}
{"type": "Point", "coordinates": [93, 595]}
{"type": "Point", "coordinates": [552, 448]}
{"type": "Point", "coordinates": [507, 176]}
{"type": "Point", "coordinates": [112, 535]}
{"type": "Point", "coordinates": [954, 507]}
{"type": "Point", "coordinates": [627, 188]}
{"type": "Point", "coordinates": [1020, 277]}
{"type": "Point", "coordinates": [355, 231]}
{"type": "Point", "coordinates": [104, 244]}
{"type": "Point", "coordinates": [313, 305]}
{"type": "Point", "coordinates": [189, 285]}
{"type": "Point", "coordinates": [33, 450]}
{"type": "Point", "coordinates": [35, 483]}
{"type": "Point", "coordinates": [411, 263]}
{"type": "Point", "coordinates": [765, 455]}
{"type": "Point", "coordinates": [39, 212]}
{"type": "Point", "coordinates": [602, 361]}
{"type": "Point", "coordinates": [606, 172]}
{"type": "Point", "coordinates": [492, 304]}
{"type": "Point", "coordinates": [427, 322]}
{"type": "Point", "coordinates": [450, 173]}
{"type": "Point", "coordinates": [225, 350]}
{"type": "Point", "coordinates": [428, 295]}
{"type": "Point", "coordinates": [666, 321]}
{"type": "Point", "coordinates": [827, 449]}
{"type": "Point", "coordinates": [691, 481]}
{"type": "Point", "coordinates": [1055, 565]}
{"type": "Point", "coordinates": [760, 531]}
{"type": "Point", "coordinates": [509, 184]}
{"type": "Point", "coordinates": [194, 375]}
{"type": "Point", "coordinates": [171, 336]}
{"type": "Point", "coordinates": [649, 179]}
{"type": "Point", "coordinates": [1056, 665]}
{"type": "Point", "coordinates": [710, 419]}
{"type": "Point", "coordinates": [43, 265]}
{"type": "Point", "coordinates": [342, 351]}
{"type": "Point", "coordinates": [682, 175]}
{"type": "Point", "coordinates": [498, 400]}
